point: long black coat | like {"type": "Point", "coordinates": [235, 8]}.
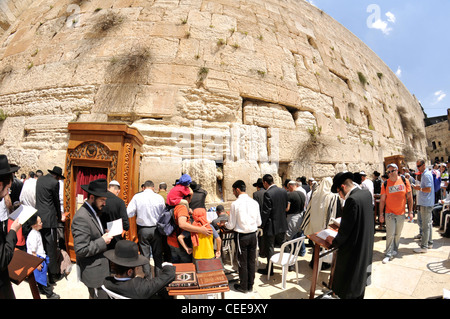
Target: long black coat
{"type": "Point", "coordinates": [47, 201]}
{"type": "Point", "coordinates": [354, 241]}
{"type": "Point", "coordinates": [273, 217]}
{"type": "Point", "coordinates": [7, 244]}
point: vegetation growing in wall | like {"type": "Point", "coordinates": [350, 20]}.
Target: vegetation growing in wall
{"type": "Point", "coordinates": [107, 22]}
{"type": "Point", "coordinates": [362, 78]}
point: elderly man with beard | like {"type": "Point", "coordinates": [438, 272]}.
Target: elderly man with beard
{"type": "Point", "coordinates": [90, 240]}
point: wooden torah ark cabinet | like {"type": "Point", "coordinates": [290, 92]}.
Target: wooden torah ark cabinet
{"type": "Point", "coordinates": [109, 150]}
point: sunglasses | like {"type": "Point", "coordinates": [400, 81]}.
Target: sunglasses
{"type": "Point", "coordinates": [418, 166]}
{"type": "Point", "coordinates": [390, 171]}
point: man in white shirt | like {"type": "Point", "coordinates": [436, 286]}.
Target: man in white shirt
{"type": "Point", "coordinates": [366, 184]}
{"type": "Point", "coordinates": [244, 220]}
{"type": "Point", "coordinates": [148, 206]}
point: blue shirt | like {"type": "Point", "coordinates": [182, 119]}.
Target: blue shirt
{"type": "Point", "coordinates": [426, 199]}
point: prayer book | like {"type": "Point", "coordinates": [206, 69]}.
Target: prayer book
{"type": "Point", "coordinates": [326, 232]}
{"type": "Point", "coordinates": [24, 212]}
{"type": "Point", "coordinates": [207, 265]}
{"type": "Point", "coordinates": [185, 277]}
{"type": "Point", "coordinates": [115, 227]}
{"type": "Point", "coordinates": [212, 279]}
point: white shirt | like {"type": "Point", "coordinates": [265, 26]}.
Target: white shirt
{"type": "Point", "coordinates": [148, 206]}
{"type": "Point", "coordinates": [244, 215]}
{"type": "Point", "coordinates": [28, 193]}
{"type": "Point", "coordinates": [34, 243]}
{"type": "Point", "coordinates": [368, 184]}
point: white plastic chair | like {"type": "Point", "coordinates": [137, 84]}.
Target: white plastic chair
{"type": "Point", "coordinates": [287, 259]}
{"type": "Point", "coordinates": [444, 208]}
{"type": "Point", "coordinates": [113, 295]}
{"type": "Point", "coordinates": [447, 219]}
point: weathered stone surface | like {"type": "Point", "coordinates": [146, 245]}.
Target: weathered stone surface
{"type": "Point", "coordinates": [248, 87]}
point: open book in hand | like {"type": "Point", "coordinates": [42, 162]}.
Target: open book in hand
{"type": "Point", "coordinates": [327, 232]}
{"type": "Point", "coordinates": [335, 221]}
{"type": "Point", "coordinates": [24, 212]}
{"type": "Point", "coordinates": [115, 227]}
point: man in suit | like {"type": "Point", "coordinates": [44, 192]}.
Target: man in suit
{"type": "Point", "coordinates": [8, 240]}
{"type": "Point", "coordinates": [354, 239]}
{"type": "Point", "coordinates": [274, 223]}
{"type": "Point", "coordinates": [90, 239]}
{"type": "Point", "coordinates": [124, 261]}
{"type": "Point", "coordinates": [114, 209]}
{"type": "Point", "coordinates": [49, 207]}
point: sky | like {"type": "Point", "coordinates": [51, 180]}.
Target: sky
{"type": "Point", "coordinates": [411, 36]}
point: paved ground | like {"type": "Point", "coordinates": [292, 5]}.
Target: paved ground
{"type": "Point", "coordinates": [409, 276]}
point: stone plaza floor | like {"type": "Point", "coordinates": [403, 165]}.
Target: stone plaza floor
{"type": "Point", "coordinates": [408, 276]}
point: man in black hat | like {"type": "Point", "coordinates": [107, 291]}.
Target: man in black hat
{"type": "Point", "coordinates": [49, 207]}
{"type": "Point", "coordinates": [354, 239]}
{"type": "Point", "coordinates": [90, 239]}
{"type": "Point", "coordinates": [8, 240]}
{"type": "Point", "coordinates": [259, 194]}
{"type": "Point", "coordinates": [124, 261]}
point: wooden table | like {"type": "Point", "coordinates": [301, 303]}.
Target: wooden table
{"type": "Point", "coordinates": [198, 291]}
{"type": "Point", "coordinates": [22, 266]}
{"type": "Point", "coordinates": [318, 243]}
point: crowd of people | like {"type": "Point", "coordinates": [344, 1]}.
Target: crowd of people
{"type": "Point", "coordinates": [259, 222]}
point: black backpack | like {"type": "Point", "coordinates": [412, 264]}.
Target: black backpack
{"type": "Point", "coordinates": [166, 222]}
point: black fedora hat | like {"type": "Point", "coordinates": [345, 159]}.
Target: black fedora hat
{"type": "Point", "coordinates": [126, 254]}
{"type": "Point", "coordinates": [339, 179]}
{"type": "Point", "coordinates": [98, 187]}
{"type": "Point", "coordinates": [5, 167]}
{"type": "Point", "coordinates": [57, 171]}
{"type": "Point", "coordinates": [259, 183]}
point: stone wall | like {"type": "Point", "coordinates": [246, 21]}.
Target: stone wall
{"type": "Point", "coordinates": [222, 89]}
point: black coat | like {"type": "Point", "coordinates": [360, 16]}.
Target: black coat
{"type": "Point", "coordinates": [47, 201]}
{"type": "Point", "coordinates": [7, 244]}
{"type": "Point", "coordinates": [354, 241]}
{"type": "Point", "coordinates": [273, 217]}
{"type": "Point", "coordinates": [259, 197]}
{"type": "Point", "coordinates": [141, 288]}
{"type": "Point", "coordinates": [115, 208]}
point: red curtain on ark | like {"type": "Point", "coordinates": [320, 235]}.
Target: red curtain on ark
{"type": "Point", "coordinates": [86, 175]}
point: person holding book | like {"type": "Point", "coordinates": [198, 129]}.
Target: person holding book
{"type": "Point", "coordinates": [8, 240]}
{"type": "Point", "coordinates": [35, 247]}
{"type": "Point", "coordinates": [202, 245]}
{"type": "Point", "coordinates": [354, 239]}
{"type": "Point", "coordinates": [245, 218]}
{"type": "Point", "coordinates": [124, 260]}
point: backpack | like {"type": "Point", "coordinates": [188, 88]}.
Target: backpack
{"type": "Point", "coordinates": [166, 222]}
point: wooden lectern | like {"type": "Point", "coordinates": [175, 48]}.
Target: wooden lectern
{"type": "Point", "coordinates": [22, 266]}
{"type": "Point", "coordinates": [100, 150]}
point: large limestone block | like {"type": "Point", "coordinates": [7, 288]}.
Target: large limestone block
{"type": "Point", "coordinates": [267, 115]}
{"type": "Point", "coordinates": [199, 104]}
{"type": "Point", "coordinates": [248, 142]}
{"type": "Point", "coordinates": [248, 171]}
{"type": "Point", "coordinates": [159, 170]}
{"type": "Point", "coordinates": [206, 173]}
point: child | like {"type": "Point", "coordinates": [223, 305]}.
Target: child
{"type": "Point", "coordinates": [36, 248]}
{"type": "Point", "coordinates": [203, 246]}
{"type": "Point", "coordinates": [181, 189]}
